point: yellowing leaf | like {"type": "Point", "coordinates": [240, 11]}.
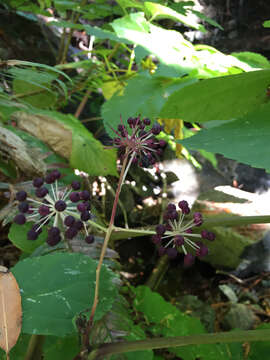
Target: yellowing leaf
{"type": "Point", "coordinates": [10, 310]}
{"type": "Point", "coordinates": [177, 126]}
{"type": "Point", "coordinates": [111, 87]}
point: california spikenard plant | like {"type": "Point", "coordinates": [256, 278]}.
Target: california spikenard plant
{"type": "Point", "coordinates": [65, 212]}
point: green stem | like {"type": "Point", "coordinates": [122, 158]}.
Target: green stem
{"type": "Point", "coordinates": [103, 251]}
{"type": "Point", "coordinates": [122, 233]}
{"type": "Point", "coordinates": [160, 343]}
{"type": "Point", "coordinates": [34, 350]}
{"type": "Point", "coordinates": [158, 272]}
{"type": "Point", "coordinates": [236, 220]}
{"type": "Point", "coordinates": [74, 19]}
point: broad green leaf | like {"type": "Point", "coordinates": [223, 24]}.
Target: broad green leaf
{"type": "Point", "coordinates": [145, 94]}
{"type": "Point", "coordinates": [253, 59]}
{"type": "Point", "coordinates": [172, 322]}
{"type": "Point", "coordinates": [54, 348]}
{"type": "Point", "coordinates": [58, 286]}
{"type": "Point", "coordinates": [18, 236]}
{"type": "Point", "coordinates": [117, 325]}
{"type": "Point", "coordinates": [221, 98]}
{"type": "Point", "coordinates": [245, 139]}
{"type": "Point", "coordinates": [158, 11]}
{"type": "Point", "coordinates": [169, 46]}
{"type": "Point", "coordinates": [74, 141]}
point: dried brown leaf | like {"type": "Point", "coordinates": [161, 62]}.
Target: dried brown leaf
{"type": "Point", "coordinates": [10, 310]}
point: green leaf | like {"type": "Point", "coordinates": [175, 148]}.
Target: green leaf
{"type": "Point", "coordinates": [169, 46]}
{"type": "Point", "coordinates": [145, 94]}
{"type": "Point", "coordinates": [83, 151]}
{"type": "Point", "coordinates": [54, 348]}
{"type": "Point", "coordinates": [260, 349]}
{"type": "Point", "coordinates": [38, 96]}
{"type": "Point", "coordinates": [253, 59]}
{"type": "Point", "coordinates": [8, 168]}
{"type": "Point", "coordinates": [206, 19]}
{"type": "Point", "coordinates": [172, 322]}
{"type": "Point", "coordinates": [266, 23]}
{"type": "Point", "coordinates": [18, 236]}
{"type": "Point", "coordinates": [158, 11]}
{"type": "Point", "coordinates": [58, 286]}
{"type": "Point", "coordinates": [248, 138]}
{"type": "Point", "coordinates": [222, 98]}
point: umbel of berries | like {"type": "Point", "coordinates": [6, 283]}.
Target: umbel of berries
{"type": "Point", "coordinates": [139, 141]}
{"type": "Point", "coordinates": [65, 211]}
{"type": "Point", "coordinates": [176, 236]}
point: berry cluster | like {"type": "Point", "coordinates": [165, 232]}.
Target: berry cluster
{"type": "Point", "coordinates": [140, 143]}
{"type": "Point", "coordinates": [67, 210]}
{"type": "Point", "coordinates": [174, 236]}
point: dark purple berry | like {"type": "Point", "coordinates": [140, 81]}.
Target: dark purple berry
{"type": "Point", "coordinates": [60, 205]}
{"type": "Point", "coordinates": [19, 219]}
{"type": "Point", "coordinates": [49, 179]}
{"type": "Point", "coordinates": [38, 182]}
{"type": "Point", "coordinates": [52, 241]}
{"type": "Point", "coordinates": [87, 205]}
{"type": "Point", "coordinates": [76, 185]}
{"type": "Point", "coordinates": [204, 234]}
{"type": "Point", "coordinates": [121, 128]}
{"type": "Point", "coordinates": [160, 229]}
{"type": "Point", "coordinates": [32, 235]}
{"type": "Point", "coordinates": [189, 231]}
{"type": "Point", "coordinates": [156, 239]}
{"type": "Point", "coordinates": [56, 174]}
{"type": "Point", "coordinates": [211, 236]}
{"type": "Point", "coordinates": [171, 207]}
{"type": "Point", "coordinates": [146, 121]}
{"type": "Point", "coordinates": [183, 205]}
{"type": "Point", "coordinates": [44, 210]}
{"type": "Point", "coordinates": [69, 220]}
{"type": "Point", "coordinates": [21, 195]}
{"type": "Point", "coordinates": [172, 253]}
{"type": "Point", "coordinates": [81, 207]}
{"type": "Point", "coordinates": [90, 239]}
{"type": "Point", "coordinates": [54, 231]}
{"type": "Point", "coordinates": [78, 225]}
{"type": "Point", "coordinates": [202, 251]}
{"type": "Point", "coordinates": [71, 232]}
{"type": "Point", "coordinates": [197, 218]}
{"type": "Point", "coordinates": [41, 192]}
{"type": "Point", "coordinates": [85, 215]}
{"type": "Point", "coordinates": [179, 240]}
{"type": "Point", "coordinates": [74, 197]}
{"type": "Point", "coordinates": [85, 195]}
{"type": "Point", "coordinates": [173, 215]}
{"type": "Point", "coordinates": [188, 260]}
{"type": "Point", "coordinates": [162, 143]}
{"type": "Point", "coordinates": [156, 129]}
{"type": "Point", "coordinates": [23, 207]}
